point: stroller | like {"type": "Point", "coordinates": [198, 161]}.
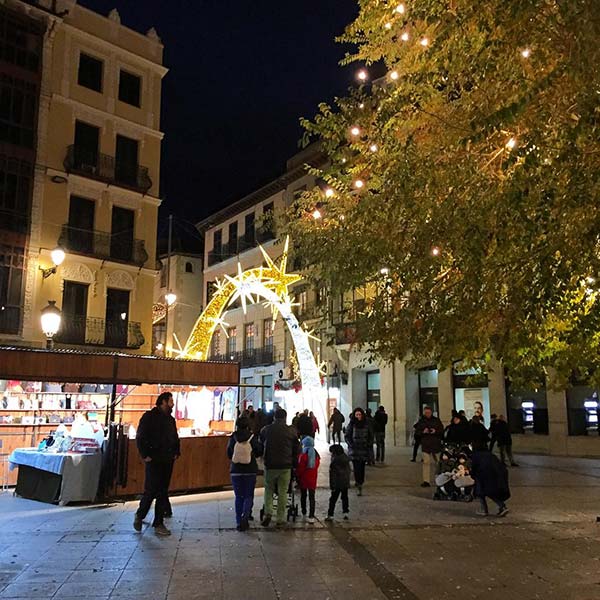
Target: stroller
{"type": "Point", "coordinates": [454, 481]}
{"type": "Point", "coordinates": [291, 503]}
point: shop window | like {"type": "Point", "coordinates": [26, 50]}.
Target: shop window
{"type": "Point", "coordinates": [471, 393]}
{"type": "Point", "coordinates": [90, 72]}
{"type": "Point", "coordinates": [582, 407]}
{"type": "Point", "coordinates": [189, 268]}
{"type": "Point", "coordinates": [129, 88]}
{"type": "Point", "coordinates": [527, 409]}
{"type": "Point", "coordinates": [373, 390]}
{"type": "Point", "coordinates": [428, 390]}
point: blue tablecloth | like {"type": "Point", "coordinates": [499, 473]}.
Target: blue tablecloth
{"type": "Point", "coordinates": [80, 472]}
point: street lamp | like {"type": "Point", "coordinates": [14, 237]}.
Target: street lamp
{"type": "Point", "coordinates": [170, 298]}
{"type": "Point", "coordinates": [51, 318]}
{"type": "Point", "coordinates": [58, 256]}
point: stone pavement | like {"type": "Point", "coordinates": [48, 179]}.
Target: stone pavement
{"type": "Point", "coordinates": [399, 544]}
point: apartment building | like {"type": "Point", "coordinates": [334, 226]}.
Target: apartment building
{"type": "Point", "coordinates": [89, 174]}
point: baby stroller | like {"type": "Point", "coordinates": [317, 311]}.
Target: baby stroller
{"type": "Point", "coordinates": [291, 503]}
{"type": "Point", "coordinates": [454, 481]}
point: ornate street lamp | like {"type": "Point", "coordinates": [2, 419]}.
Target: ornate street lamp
{"type": "Point", "coordinates": [50, 319]}
{"type": "Point", "coordinates": [58, 256]}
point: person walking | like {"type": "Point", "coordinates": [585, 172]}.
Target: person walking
{"type": "Point", "coordinates": [280, 443]}
{"type": "Point", "coordinates": [243, 449]}
{"type": "Point", "coordinates": [416, 443]}
{"type": "Point", "coordinates": [380, 422]}
{"type": "Point", "coordinates": [491, 479]}
{"type": "Point", "coordinates": [431, 430]}
{"type": "Point", "coordinates": [305, 425]}
{"type": "Point", "coordinates": [479, 434]}
{"type": "Point", "coordinates": [158, 444]}
{"type": "Point", "coordinates": [371, 426]}
{"type": "Point", "coordinates": [315, 423]}
{"type": "Point", "coordinates": [359, 438]}
{"type": "Point", "coordinates": [504, 440]}
{"type": "Point", "coordinates": [458, 432]}
{"type": "Point", "coordinates": [339, 480]}
{"type": "Point", "coordinates": [336, 423]}
{"type": "Point", "coordinates": [306, 474]}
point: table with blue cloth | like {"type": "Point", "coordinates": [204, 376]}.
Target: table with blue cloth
{"type": "Point", "coordinates": [56, 477]}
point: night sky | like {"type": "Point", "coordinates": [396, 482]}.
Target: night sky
{"type": "Point", "coordinates": [242, 72]}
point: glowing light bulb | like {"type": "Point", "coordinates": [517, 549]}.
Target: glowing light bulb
{"type": "Point", "coordinates": [512, 142]}
{"type": "Point", "coordinates": [435, 251]}
{"type": "Point", "coordinates": [316, 214]}
{"type": "Point", "coordinates": [400, 9]}
{"type": "Point", "coordinates": [359, 183]}
{"type": "Point", "coordinates": [388, 25]}
{"type": "Point", "coordinates": [526, 53]}
{"type": "Point", "coordinates": [362, 75]}
{"type": "Point", "coordinates": [159, 346]}
{"type": "Point", "coordinates": [384, 271]}
{"type": "Point", "coordinates": [342, 218]}
{"type": "Point", "coordinates": [373, 148]}
{"type": "Point", "coordinates": [329, 193]}
{"type": "Point", "coordinates": [355, 131]}
{"type": "Point", "coordinates": [394, 75]}
{"type": "Point", "coordinates": [361, 105]}
{"type": "Point", "coordinates": [424, 42]}
{"type": "Point", "coordinates": [405, 37]}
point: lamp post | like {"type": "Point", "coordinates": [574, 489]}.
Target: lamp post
{"type": "Point", "coordinates": [58, 256]}
{"type": "Point", "coordinates": [50, 319]}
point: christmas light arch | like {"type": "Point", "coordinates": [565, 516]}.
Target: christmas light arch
{"type": "Point", "coordinates": [270, 283]}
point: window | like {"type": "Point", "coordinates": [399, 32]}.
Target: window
{"type": "Point", "coordinates": [215, 344]}
{"type": "Point", "coordinates": [217, 240]}
{"type": "Point", "coordinates": [249, 233]}
{"type": "Point", "coordinates": [15, 193]}
{"type": "Point", "coordinates": [231, 341]}
{"type": "Point", "coordinates": [80, 234]}
{"type": "Point", "coordinates": [249, 337]}
{"type": "Point", "coordinates": [12, 265]}
{"type": "Point", "coordinates": [267, 390]}
{"type": "Point", "coordinates": [18, 106]}
{"type": "Point", "coordinates": [126, 160]}
{"type": "Point", "coordinates": [21, 40]}
{"type": "Point", "coordinates": [90, 72]}
{"type": "Point", "coordinates": [85, 153]}
{"type": "Point", "coordinates": [232, 241]}
{"type": "Point", "coordinates": [268, 328]}
{"type": "Point", "coordinates": [129, 88]}
{"type": "Point", "coordinates": [189, 267]}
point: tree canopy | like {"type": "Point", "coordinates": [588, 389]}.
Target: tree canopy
{"type": "Point", "coordinates": [465, 183]}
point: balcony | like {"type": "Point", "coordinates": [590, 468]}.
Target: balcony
{"type": "Point", "coordinates": [10, 320]}
{"type": "Point", "coordinates": [253, 357]}
{"type": "Point", "coordinates": [92, 331]}
{"type": "Point", "coordinates": [119, 247]}
{"type": "Point", "coordinates": [107, 168]}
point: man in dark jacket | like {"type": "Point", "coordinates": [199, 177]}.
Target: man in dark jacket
{"type": "Point", "coordinates": [304, 425]}
{"type": "Point", "coordinates": [281, 446]}
{"type": "Point", "coordinates": [359, 438]}
{"type": "Point", "coordinates": [158, 445]}
{"type": "Point", "coordinates": [491, 479]}
{"type": "Point", "coordinates": [502, 435]}
{"type": "Point", "coordinates": [336, 422]}
{"type": "Point", "coordinates": [480, 436]}
{"type": "Point", "coordinates": [339, 480]}
{"type": "Point", "coordinates": [380, 421]}
{"type": "Point", "coordinates": [430, 430]}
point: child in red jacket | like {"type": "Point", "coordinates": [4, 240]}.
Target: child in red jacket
{"type": "Point", "coordinates": [306, 473]}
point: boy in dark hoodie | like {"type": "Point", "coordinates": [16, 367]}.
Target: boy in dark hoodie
{"type": "Point", "coordinates": [339, 480]}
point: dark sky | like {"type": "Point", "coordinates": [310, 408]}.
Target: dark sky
{"type": "Point", "coordinates": [241, 74]}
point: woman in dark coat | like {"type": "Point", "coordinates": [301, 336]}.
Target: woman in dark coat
{"type": "Point", "coordinates": [359, 437]}
{"type": "Point", "coordinates": [491, 479]}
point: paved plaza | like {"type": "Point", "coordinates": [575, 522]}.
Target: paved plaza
{"type": "Point", "coordinates": [398, 544]}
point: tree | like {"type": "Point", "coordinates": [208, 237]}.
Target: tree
{"type": "Point", "coordinates": [464, 184]}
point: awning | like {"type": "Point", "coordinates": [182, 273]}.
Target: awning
{"type": "Point", "coordinates": [72, 366]}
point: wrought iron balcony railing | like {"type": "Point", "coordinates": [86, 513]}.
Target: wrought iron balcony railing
{"type": "Point", "coordinates": [92, 331]}
{"type": "Point", "coordinates": [120, 247]}
{"type": "Point", "coordinates": [253, 357]}
{"type": "Point", "coordinates": [107, 168]}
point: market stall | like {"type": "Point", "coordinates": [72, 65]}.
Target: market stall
{"type": "Point", "coordinates": [42, 390]}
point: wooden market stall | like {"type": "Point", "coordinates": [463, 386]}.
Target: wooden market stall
{"type": "Point", "coordinates": [115, 389]}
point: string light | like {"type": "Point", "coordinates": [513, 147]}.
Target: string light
{"type": "Point", "coordinates": [362, 75]}
{"type": "Point", "coordinates": [405, 37]}
{"type": "Point", "coordinates": [400, 9]}
{"type": "Point", "coordinates": [384, 271]}
{"type": "Point", "coordinates": [329, 193]}
{"type": "Point", "coordinates": [424, 42]}
{"type": "Point", "coordinates": [359, 183]}
{"type": "Point", "coordinates": [512, 142]}
{"type": "Point", "coordinates": [373, 148]}
{"type": "Point", "coordinates": [388, 25]}
{"type": "Point", "coordinates": [342, 218]}
{"type": "Point", "coordinates": [526, 53]}
{"type": "Point", "coordinates": [394, 75]}
{"type": "Point", "coordinates": [435, 251]}
{"type": "Point", "coordinates": [361, 105]}
{"type": "Point", "coordinates": [316, 214]}
{"type": "Point", "coordinates": [355, 131]}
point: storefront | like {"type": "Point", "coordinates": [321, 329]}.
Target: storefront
{"type": "Point", "coordinates": [42, 390]}
{"type": "Point", "coordinates": [471, 393]}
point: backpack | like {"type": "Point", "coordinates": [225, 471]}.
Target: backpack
{"type": "Point", "coordinates": [242, 452]}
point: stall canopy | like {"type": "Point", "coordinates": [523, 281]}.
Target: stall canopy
{"type": "Point", "coordinates": [71, 366]}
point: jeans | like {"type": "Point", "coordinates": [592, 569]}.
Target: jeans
{"type": "Point", "coordinates": [335, 494]}
{"type": "Point", "coordinates": [380, 446]}
{"type": "Point", "coordinates": [311, 502]}
{"type": "Point", "coordinates": [430, 460]}
{"type": "Point", "coordinates": [277, 479]}
{"type": "Point", "coordinates": [156, 486]}
{"type": "Point", "coordinates": [416, 446]}
{"type": "Point", "coordinates": [506, 451]}
{"type": "Point", "coordinates": [336, 433]}
{"type": "Point", "coordinates": [359, 471]}
{"type": "Point", "coordinates": [484, 506]}
{"type": "Point", "coordinates": [243, 488]}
